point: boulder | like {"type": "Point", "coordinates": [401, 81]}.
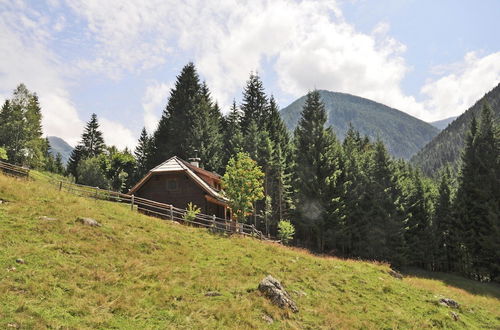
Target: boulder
{"type": "Point", "coordinates": [455, 316]}
{"type": "Point", "coordinates": [449, 302]}
{"type": "Point", "coordinates": [267, 318]}
{"type": "Point", "coordinates": [20, 261]}
{"type": "Point", "coordinates": [275, 292]}
{"type": "Point", "coordinates": [213, 294]}
{"type": "Point", "coordinates": [395, 274]}
{"type": "Point", "coordinates": [88, 222]}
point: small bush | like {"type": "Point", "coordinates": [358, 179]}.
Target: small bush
{"type": "Point", "coordinates": [285, 231]}
{"type": "Point", "coordinates": [191, 212]}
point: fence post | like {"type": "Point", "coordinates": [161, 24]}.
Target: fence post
{"type": "Point", "coordinates": [171, 212]}
{"type": "Point", "coordinates": [213, 222]}
{"type": "Point", "coordinates": [132, 203]}
{"type": "Point", "coordinates": [60, 185]}
{"type": "Point", "coordinates": [96, 192]}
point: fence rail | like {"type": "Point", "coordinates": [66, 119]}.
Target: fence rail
{"type": "Point", "coordinates": [149, 207]}
{"type": "Point", "coordinates": [162, 210]}
{"type": "Point", "coordinates": [14, 170]}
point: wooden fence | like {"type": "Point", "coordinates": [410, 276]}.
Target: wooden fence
{"type": "Point", "coordinates": [161, 210]}
{"type": "Point", "coordinates": [149, 207]}
{"type": "Point", "coordinates": [14, 170]}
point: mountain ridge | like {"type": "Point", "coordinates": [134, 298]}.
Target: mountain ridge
{"type": "Point", "coordinates": [402, 133]}
{"type": "Point", "coordinates": [58, 145]}
{"type": "Point", "coordinates": [446, 147]}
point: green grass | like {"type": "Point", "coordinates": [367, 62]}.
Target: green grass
{"type": "Point", "coordinates": [140, 272]}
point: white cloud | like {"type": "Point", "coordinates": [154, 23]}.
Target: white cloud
{"type": "Point", "coordinates": [26, 59]}
{"type": "Point", "coordinates": [464, 84]}
{"type": "Point", "coordinates": [114, 133]}
{"type": "Point", "coordinates": [153, 103]}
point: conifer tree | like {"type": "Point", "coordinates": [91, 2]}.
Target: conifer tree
{"type": "Point", "coordinates": [314, 164]}
{"type": "Point", "coordinates": [205, 138]}
{"type": "Point", "coordinates": [445, 226]}
{"type": "Point", "coordinates": [171, 137]}
{"type": "Point", "coordinates": [142, 155]}
{"type": "Point", "coordinates": [233, 135]}
{"type": "Point", "coordinates": [478, 199]}
{"type": "Point", "coordinates": [255, 104]}
{"type": "Point", "coordinates": [90, 146]}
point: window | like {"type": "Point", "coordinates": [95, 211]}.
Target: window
{"type": "Point", "coordinates": [172, 185]}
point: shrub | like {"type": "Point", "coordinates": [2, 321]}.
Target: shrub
{"type": "Point", "coordinates": [191, 212]}
{"type": "Point", "coordinates": [285, 231]}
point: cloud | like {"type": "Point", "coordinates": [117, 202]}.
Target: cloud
{"type": "Point", "coordinates": [114, 133]}
{"type": "Point", "coordinates": [154, 101]}
{"type": "Point", "coordinates": [26, 59]}
{"type": "Point", "coordinates": [462, 85]}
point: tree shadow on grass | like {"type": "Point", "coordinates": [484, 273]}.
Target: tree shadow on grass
{"type": "Point", "coordinates": [474, 287]}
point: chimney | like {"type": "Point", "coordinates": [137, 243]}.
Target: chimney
{"type": "Point", "coordinates": [195, 161]}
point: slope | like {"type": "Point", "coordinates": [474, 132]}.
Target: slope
{"type": "Point", "coordinates": [58, 145]}
{"type": "Point", "coordinates": [446, 147]}
{"type": "Point", "coordinates": [441, 124]}
{"type": "Point", "coordinates": [141, 272]}
{"type": "Point", "coordinates": [403, 134]}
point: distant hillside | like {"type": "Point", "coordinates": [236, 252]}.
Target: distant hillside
{"type": "Point", "coordinates": [58, 145]}
{"type": "Point", "coordinates": [138, 272]}
{"type": "Point", "coordinates": [441, 124]}
{"type": "Point", "coordinates": [403, 134]}
{"type": "Point", "coordinates": [446, 147]}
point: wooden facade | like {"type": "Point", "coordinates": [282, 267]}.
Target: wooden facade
{"type": "Point", "coordinates": [178, 183]}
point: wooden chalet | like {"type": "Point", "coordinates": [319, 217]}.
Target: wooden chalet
{"type": "Point", "coordinates": [178, 183]}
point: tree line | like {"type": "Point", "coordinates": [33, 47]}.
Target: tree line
{"type": "Point", "coordinates": [348, 198]}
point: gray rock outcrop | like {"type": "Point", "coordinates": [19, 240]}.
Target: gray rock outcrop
{"type": "Point", "coordinates": [275, 292]}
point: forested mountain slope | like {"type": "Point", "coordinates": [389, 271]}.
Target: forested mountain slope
{"type": "Point", "coordinates": [446, 147]}
{"type": "Point", "coordinates": [58, 145]}
{"type": "Point", "coordinates": [138, 272]}
{"type": "Point", "coordinates": [403, 134]}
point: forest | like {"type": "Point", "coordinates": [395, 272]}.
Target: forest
{"type": "Point", "coordinates": [347, 198]}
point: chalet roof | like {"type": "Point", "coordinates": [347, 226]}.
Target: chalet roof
{"type": "Point", "coordinates": [175, 164]}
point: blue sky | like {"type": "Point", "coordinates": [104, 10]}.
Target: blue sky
{"type": "Point", "coordinates": [119, 59]}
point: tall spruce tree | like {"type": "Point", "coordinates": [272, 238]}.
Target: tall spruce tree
{"type": "Point", "coordinates": [478, 200]}
{"type": "Point", "coordinates": [205, 138]}
{"type": "Point", "coordinates": [314, 164]}
{"type": "Point", "coordinates": [445, 226]}
{"type": "Point", "coordinates": [142, 154]}
{"type": "Point", "coordinates": [90, 146]}
{"type": "Point", "coordinates": [233, 135]}
{"type": "Point", "coordinates": [255, 104]}
{"type": "Point", "coordinates": [171, 138]}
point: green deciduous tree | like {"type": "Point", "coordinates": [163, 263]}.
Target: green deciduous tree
{"type": "Point", "coordinates": [243, 185]}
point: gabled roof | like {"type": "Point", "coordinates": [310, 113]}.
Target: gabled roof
{"type": "Point", "coordinates": [175, 164]}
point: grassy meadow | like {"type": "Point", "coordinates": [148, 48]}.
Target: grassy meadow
{"type": "Point", "coordinates": [141, 272]}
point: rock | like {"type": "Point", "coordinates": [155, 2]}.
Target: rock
{"type": "Point", "coordinates": [395, 274]}
{"type": "Point", "coordinates": [20, 261]}
{"type": "Point", "coordinates": [88, 222]}
{"type": "Point", "coordinates": [274, 291]}
{"type": "Point", "coordinates": [46, 218]}
{"type": "Point", "coordinates": [213, 294]}
{"type": "Point", "coordinates": [13, 325]}
{"type": "Point", "coordinates": [455, 316]}
{"type": "Point", "coordinates": [11, 269]}
{"type": "Point", "coordinates": [267, 318]}
{"type": "Point", "coordinates": [449, 302]}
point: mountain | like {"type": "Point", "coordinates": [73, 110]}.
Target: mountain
{"type": "Point", "coordinates": [446, 147]}
{"type": "Point", "coordinates": [139, 272]}
{"type": "Point", "coordinates": [58, 145]}
{"type": "Point", "coordinates": [441, 124]}
{"type": "Point", "coordinates": [403, 134]}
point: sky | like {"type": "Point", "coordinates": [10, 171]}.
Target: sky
{"type": "Point", "coordinates": [119, 59]}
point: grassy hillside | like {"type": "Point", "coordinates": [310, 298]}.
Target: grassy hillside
{"type": "Point", "coordinates": [141, 272]}
{"type": "Point", "coordinates": [403, 134]}
{"type": "Point", "coordinates": [445, 148]}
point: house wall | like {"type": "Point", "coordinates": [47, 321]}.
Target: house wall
{"type": "Point", "coordinates": [187, 191]}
